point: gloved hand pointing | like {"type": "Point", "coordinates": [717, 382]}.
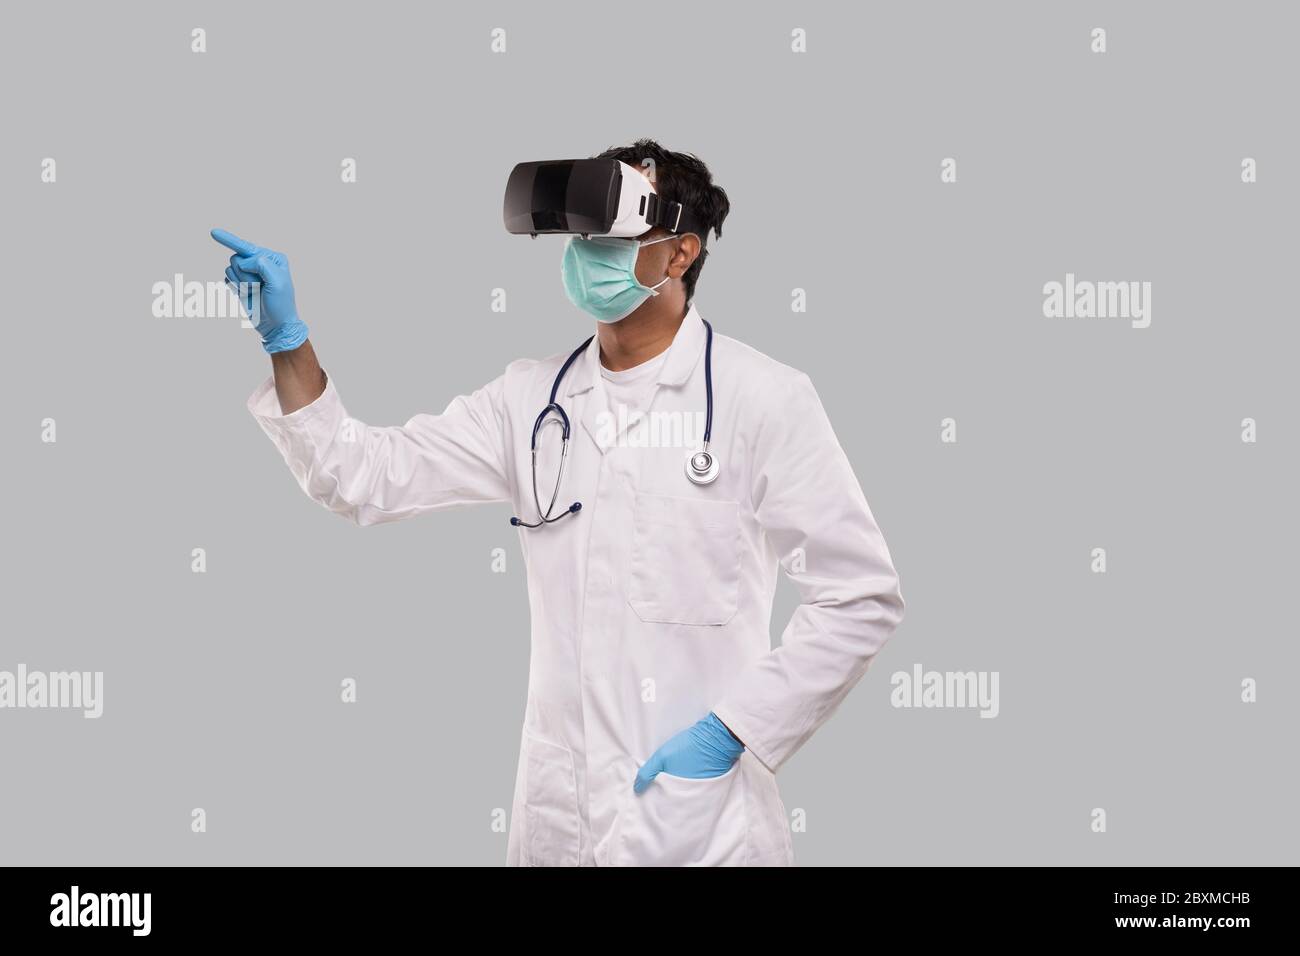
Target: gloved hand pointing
{"type": "Point", "coordinates": [277, 314]}
{"type": "Point", "coordinates": [705, 749]}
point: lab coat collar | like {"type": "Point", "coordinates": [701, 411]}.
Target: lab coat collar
{"type": "Point", "coordinates": [683, 355]}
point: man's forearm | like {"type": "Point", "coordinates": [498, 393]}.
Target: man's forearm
{"type": "Point", "coordinates": [299, 379]}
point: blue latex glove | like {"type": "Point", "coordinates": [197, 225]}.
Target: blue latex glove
{"type": "Point", "coordinates": [277, 314]}
{"type": "Point", "coordinates": [705, 749]}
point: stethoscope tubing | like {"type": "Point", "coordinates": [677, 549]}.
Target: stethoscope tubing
{"type": "Point", "coordinates": [544, 515]}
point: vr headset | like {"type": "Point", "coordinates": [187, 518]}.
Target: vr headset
{"type": "Point", "coordinates": [590, 197]}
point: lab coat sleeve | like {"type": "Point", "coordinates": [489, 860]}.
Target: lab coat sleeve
{"type": "Point", "coordinates": [371, 474]}
{"type": "Point", "coordinates": [812, 509]}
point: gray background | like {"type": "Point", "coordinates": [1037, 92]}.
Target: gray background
{"type": "Point", "coordinates": [1118, 691]}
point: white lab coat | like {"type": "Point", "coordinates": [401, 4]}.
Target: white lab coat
{"type": "Point", "coordinates": [651, 606]}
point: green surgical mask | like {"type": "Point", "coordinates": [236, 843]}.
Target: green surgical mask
{"type": "Point", "coordinates": [600, 276]}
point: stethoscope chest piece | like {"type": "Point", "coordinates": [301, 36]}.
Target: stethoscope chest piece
{"type": "Point", "coordinates": [702, 467]}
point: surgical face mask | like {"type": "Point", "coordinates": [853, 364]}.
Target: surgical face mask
{"type": "Point", "coordinates": [600, 276]}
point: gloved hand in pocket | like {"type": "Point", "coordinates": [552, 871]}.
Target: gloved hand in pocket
{"type": "Point", "coordinates": [275, 310]}
{"type": "Point", "coordinates": [705, 749]}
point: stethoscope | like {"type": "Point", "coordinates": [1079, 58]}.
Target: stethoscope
{"type": "Point", "coordinates": [701, 466]}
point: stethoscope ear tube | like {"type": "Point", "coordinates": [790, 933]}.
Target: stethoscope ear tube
{"type": "Point", "coordinates": [521, 523]}
{"type": "Point", "coordinates": [544, 517]}
{"type": "Point", "coordinates": [559, 478]}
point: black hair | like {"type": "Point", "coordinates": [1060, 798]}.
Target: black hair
{"type": "Point", "coordinates": [683, 178]}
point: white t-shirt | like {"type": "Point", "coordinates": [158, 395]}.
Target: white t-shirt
{"type": "Point", "coordinates": [632, 387]}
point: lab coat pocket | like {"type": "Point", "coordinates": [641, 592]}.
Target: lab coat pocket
{"type": "Point", "coordinates": [681, 822]}
{"type": "Point", "coordinates": [685, 561]}
{"type": "Point", "coordinates": [550, 836]}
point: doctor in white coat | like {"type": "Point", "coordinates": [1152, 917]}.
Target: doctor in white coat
{"type": "Point", "coordinates": [658, 712]}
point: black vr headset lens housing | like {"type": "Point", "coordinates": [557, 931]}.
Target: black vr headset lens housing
{"type": "Point", "coordinates": [588, 197]}
{"type": "Point", "coordinates": [563, 196]}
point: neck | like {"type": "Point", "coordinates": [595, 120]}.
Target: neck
{"type": "Point", "coordinates": [642, 335]}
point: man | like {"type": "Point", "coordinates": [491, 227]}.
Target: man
{"type": "Point", "coordinates": [658, 713]}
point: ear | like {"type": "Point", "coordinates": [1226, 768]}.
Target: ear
{"type": "Point", "coordinates": [688, 250]}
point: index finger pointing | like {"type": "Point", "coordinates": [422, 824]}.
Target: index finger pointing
{"type": "Point", "coordinates": [231, 241]}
